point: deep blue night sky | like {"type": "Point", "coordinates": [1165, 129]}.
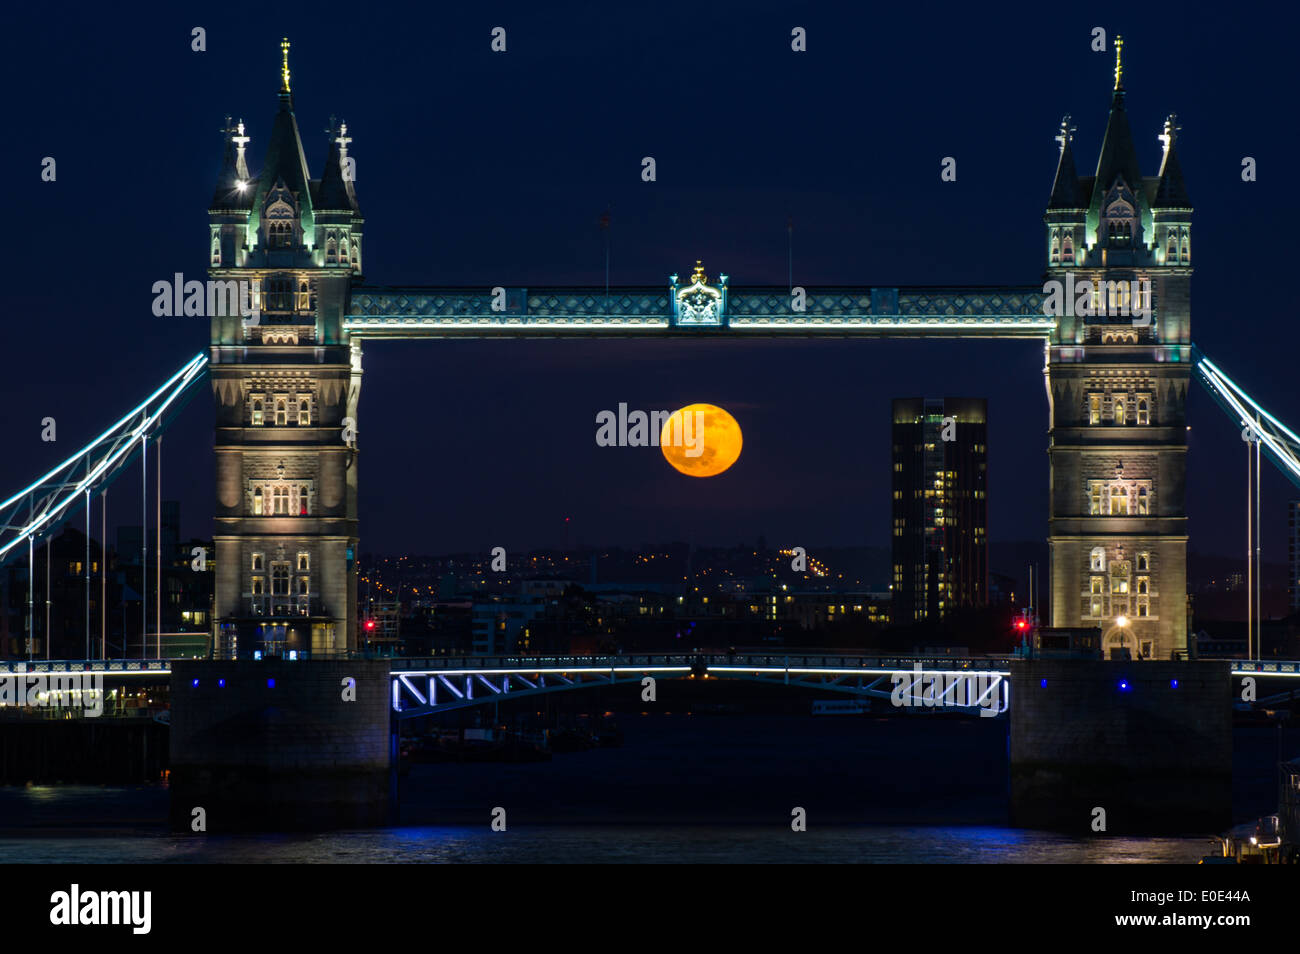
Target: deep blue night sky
{"type": "Point", "coordinates": [475, 168]}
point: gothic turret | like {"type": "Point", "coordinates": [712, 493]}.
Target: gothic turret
{"type": "Point", "coordinates": [282, 216]}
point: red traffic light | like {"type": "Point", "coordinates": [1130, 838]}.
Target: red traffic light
{"type": "Point", "coordinates": [1021, 624]}
{"type": "Point", "coordinates": [370, 624]}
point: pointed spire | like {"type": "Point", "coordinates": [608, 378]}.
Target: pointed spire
{"type": "Point", "coordinates": [1171, 192]}
{"type": "Point", "coordinates": [336, 192]}
{"type": "Point", "coordinates": [285, 161]}
{"type": "Point", "coordinates": [1118, 154]}
{"type": "Point", "coordinates": [232, 191]}
{"type": "Point", "coordinates": [1065, 190]}
{"type": "Point", "coordinates": [241, 141]}
{"type": "Point", "coordinates": [286, 94]}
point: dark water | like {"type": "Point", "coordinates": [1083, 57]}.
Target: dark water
{"type": "Point", "coordinates": [680, 789]}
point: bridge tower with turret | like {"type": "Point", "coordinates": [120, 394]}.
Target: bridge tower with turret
{"type": "Point", "coordinates": [286, 381]}
{"type": "Point", "coordinates": [1118, 367]}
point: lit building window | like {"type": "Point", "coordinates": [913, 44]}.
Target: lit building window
{"type": "Point", "coordinates": [257, 411]}
{"type": "Point", "coordinates": [1098, 559]}
{"type": "Point", "coordinates": [257, 501]}
{"type": "Point", "coordinates": [1118, 502]}
{"type": "Point", "coordinates": [1094, 408]}
{"type": "Point", "coordinates": [280, 579]}
{"type": "Point", "coordinates": [1142, 501]}
{"type": "Point", "coordinates": [1144, 411]}
{"type": "Point", "coordinates": [304, 561]}
{"type": "Point", "coordinates": [1119, 416]}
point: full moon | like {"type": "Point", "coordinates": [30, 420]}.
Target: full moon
{"type": "Point", "coordinates": [704, 451]}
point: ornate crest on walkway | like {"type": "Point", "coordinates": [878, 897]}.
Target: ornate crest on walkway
{"type": "Point", "coordinates": [699, 304]}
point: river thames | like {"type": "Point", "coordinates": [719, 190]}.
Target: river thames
{"type": "Point", "coordinates": [681, 788]}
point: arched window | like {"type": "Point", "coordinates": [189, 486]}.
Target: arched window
{"type": "Point", "coordinates": [302, 501]}
{"type": "Point", "coordinates": [1142, 500]}
{"type": "Point", "coordinates": [304, 413]}
{"type": "Point", "coordinates": [1143, 562]}
{"type": "Point", "coordinates": [1120, 412]}
{"type": "Point", "coordinates": [1099, 559]}
{"type": "Point", "coordinates": [1144, 412]}
{"type": "Point", "coordinates": [279, 293]}
{"type": "Point", "coordinates": [331, 250]}
{"type": "Point", "coordinates": [216, 249]}
{"type": "Point", "coordinates": [1187, 251]}
{"type": "Point", "coordinates": [281, 412]}
{"type": "Point", "coordinates": [257, 412]}
{"type": "Point", "coordinates": [343, 251]}
{"type": "Point", "coordinates": [1067, 250]}
{"type": "Point", "coordinates": [1056, 249]}
{"type": "Point", "coordinates": [257, 511]}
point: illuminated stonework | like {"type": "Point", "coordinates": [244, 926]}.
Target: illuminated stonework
{"type": "Point", "coordinates": [1117, 388]}
{"type": "Point", "coordinates": [286, 526]}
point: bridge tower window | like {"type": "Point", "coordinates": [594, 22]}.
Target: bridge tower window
{"type": "Point", "coordinates": [1143, 411]}
{"type": "Point", "coordinates": [1120, 414]}
{"type": "Point", "coordinates": [1098, 559]}
{"type": "Point", "coordinates": [257, 411]}
{"type": "Point", "coordinates": [1067, 250]}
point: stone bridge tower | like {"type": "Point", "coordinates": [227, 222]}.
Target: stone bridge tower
{"type": "Point", "coordinates": [1117, 374]}
{"type": "Point", "coordinates": [285, 378]}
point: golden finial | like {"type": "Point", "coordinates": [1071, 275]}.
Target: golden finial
{"type": "Point", "coordinates": [1119, 63]}
{"type": "Point", "coordinates": [284, 68]}
{"type": "Point", "coordinates": [698, 275]}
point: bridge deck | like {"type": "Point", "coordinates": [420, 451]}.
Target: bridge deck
{"type": "Point", "coordinates": [417, 312]}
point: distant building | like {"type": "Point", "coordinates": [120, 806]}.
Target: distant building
{"type": "Point", "coordinates": [500, 624]}
{"type": "Point", "coordinates": [940, 507]}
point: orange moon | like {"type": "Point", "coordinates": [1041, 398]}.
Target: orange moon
{"type": "Point", "coordinates": [698, 454]}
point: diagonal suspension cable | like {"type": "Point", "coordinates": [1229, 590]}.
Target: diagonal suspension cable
{"type": "Point", "coordinates": [38, 509]}
{"type": "Point", "coordinates": [1279, 441]}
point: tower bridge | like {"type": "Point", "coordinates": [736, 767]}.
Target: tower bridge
{"type": "Point", "coordinates": [288, 439]}
{"type": "Point", "coordinates": [288, 430]}
{"type": "Point", "coordinates": [288, 434]}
